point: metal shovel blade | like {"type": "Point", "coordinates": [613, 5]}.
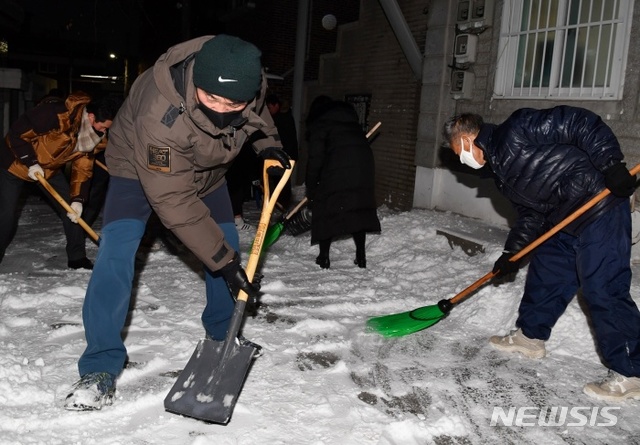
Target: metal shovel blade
{"type": "Point", "coordinates": [208, 392]}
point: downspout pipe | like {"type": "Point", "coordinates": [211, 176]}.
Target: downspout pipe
{"type": "Point", "coordinates": [404, 36]}
{"type": "Point", "coordinates": [302, 30]}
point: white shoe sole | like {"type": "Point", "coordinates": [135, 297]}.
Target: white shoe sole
{"type": "Point", "coordinates": [86, 400]}
{"type": "Point", "coordinates": [634, 394]}
{"type": "Point", "coordinates": [522, 350]}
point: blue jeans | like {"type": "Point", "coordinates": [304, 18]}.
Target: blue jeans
{"type": "Point", "coordinates": [108, 296]}
{"type": "Point", "coordinates": [598, 262]}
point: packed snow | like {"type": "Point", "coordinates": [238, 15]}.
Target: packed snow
{"type": "Point", "coordinates": [323, 378]}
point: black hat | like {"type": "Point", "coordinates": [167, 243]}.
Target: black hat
{"type": "Point", "coordinates": [228, 66]}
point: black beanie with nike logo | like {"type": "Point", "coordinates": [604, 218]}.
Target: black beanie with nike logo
{"type": "Point", "coordinates": [228, 66]}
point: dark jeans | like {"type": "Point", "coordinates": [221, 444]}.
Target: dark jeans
{"type": "Point", "coordinates": [597, 262]}
{"type": "Point", "coordinates": [10, 191]}
{"type": "Point", "coordinates": [108, 296]}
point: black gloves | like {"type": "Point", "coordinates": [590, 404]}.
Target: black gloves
{"type": "Point", "coordinates": [279, 155]}
{"type": "Point", "coordinates": [618, 179]}
{"type": "Point", "coordinates": [504, 269]}
{"type": "Point", "coordinates": [237, 278]}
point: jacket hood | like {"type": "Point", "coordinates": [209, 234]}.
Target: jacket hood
{"type": "Point", "coordinates": [181, 57]}
{"type": "Point", "coordinates": [334, 110]}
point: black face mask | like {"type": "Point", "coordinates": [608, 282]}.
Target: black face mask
{"type": "Point", "coordinates": [223, 120]}
{"type": "Point", "coordinates": [99, 133]}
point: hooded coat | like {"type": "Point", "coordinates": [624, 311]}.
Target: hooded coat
{"type": "Point", "coordinates": [548, 163]}
{"type": "Point", "coordinates": [340, 177]}
{"type": "Point", "coordinates": [47, 135]}
{"type": "Point", "coordinates": [161, 138]}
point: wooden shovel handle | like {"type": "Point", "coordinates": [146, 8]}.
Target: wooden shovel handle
{"type": "Point", "coordinates": [296, 208]}
{"type": "Point", "coordinates": [102, 165]}
{"type": "Point", "coordinates": [558, 227]}
{"type": "Point", "coordinates": [268, 203]}
{"type": "Point", "coordinates": [373, 130]}
{"type": "Point", "coordinates": [67, 207]}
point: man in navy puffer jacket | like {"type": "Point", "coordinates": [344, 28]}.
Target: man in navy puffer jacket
{"type": "Point", "coordinates": [548, 163]}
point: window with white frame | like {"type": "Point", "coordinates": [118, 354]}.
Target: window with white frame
{"type": "Point", "coordinates": [563, 49]}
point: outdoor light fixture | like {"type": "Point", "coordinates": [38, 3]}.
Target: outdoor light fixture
{"type": "Point", "coordinates": [329, 22]}
{"type": "Point", "coordinates": [97, 76]}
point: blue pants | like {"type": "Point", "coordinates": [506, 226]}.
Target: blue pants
{"type": "Point", "coordinates": [598, 261]}
{"type": "Point", "coordinates": [108, 296]}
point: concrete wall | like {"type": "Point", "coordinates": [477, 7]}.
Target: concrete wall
{"type": "Point", "coordinates": [454, 190]}
{"type": "Point", "coordinates": [369, 60]}
{"type": "Point", "coordinates": [412, 168]}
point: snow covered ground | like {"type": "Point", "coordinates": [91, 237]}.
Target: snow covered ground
{"type": "Point", "coordinates": [323, 380]}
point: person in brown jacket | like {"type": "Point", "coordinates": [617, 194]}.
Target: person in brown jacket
{"type": "Point", "coordinates": [183, 123]}
{"type": "Point", "coordinates": [42, 141]}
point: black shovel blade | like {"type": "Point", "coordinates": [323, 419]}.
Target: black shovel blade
{"type": "Point", "coordinates": [209, 386]}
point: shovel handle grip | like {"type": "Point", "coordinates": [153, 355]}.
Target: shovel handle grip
{"type": "Point", "coordinates": [558, 227]}
{"type": "Point", "coordinates": [67, 207]}
{"type": "Point", "coordinates": [268, 204]}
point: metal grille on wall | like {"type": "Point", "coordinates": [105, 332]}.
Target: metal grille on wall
{"type": "Point", "coordinates": [563, 49]}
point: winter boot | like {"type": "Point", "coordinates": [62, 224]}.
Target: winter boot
{"type": "Point", "coordinates": [91, 392]}
{"type": "Point", "coordinates": [323, 261]}
{"type": "Point", "coordinates": [516, 341]}
{"type": "Point", "coordinates": [614, 388]}
{"type": "Point", "coordinates": [359, 239]}
{"type": "Point", "coordinates": [82, 263]}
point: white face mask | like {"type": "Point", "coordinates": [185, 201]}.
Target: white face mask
{"type": "Point", "coordinates": [467, 158]}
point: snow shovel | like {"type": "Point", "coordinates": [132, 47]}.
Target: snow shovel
{"type": "Point", "coordinates": [67, 207]}
{"type": "Point", "coordinates": [273, 232]}
{"type": "Point", "coordinates": [396, 325]}
{"type": "Point", "coordinates": [209, 386]}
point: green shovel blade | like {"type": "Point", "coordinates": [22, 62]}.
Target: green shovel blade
{"type": "Point", "coordinates": [397, 325]}
{"type": "Point", "coordinates": [272, 234]}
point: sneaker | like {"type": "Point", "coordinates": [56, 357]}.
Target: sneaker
{"type": "Point", "coordinates": [516, 341]}
{"type": "Point", "coordinates": [614, 387]}
{"type": "Point", "coordinates": [241, 224]}
{"type": "Point", "coordinates": [82, 263]}
{"type": "Point", "coordinates": [91, 392]}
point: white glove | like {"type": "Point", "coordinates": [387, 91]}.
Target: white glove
{"type": "Point", "coordinates": [77, 207]}
{"type": "Point", "coordinates": [35, 168]}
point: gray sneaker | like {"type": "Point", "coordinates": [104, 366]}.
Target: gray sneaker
{"type": "Point", "coordinates": [91, 392]}
{"type": "Point", "coordinates": [516, 341]}
{"type": "Point", "coordinates": [614, 387]}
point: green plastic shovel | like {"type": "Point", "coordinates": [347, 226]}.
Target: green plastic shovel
{"type": "Point", "coordinates": [396, 325]}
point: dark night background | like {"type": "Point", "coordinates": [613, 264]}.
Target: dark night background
{"type": "Point", "coordinates": [63, 39]}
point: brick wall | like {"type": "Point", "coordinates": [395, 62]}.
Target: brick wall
{"type": "Point", "coordinates": [369, 60]}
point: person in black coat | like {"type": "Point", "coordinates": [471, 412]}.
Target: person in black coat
{"type": "Point", "coordinates": [340, 178]}
{"type": "Point", "coordinates": [549, 163]}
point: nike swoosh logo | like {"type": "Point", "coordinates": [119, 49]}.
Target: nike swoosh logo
{"type": "Point", "coordinates": [222, 79]}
